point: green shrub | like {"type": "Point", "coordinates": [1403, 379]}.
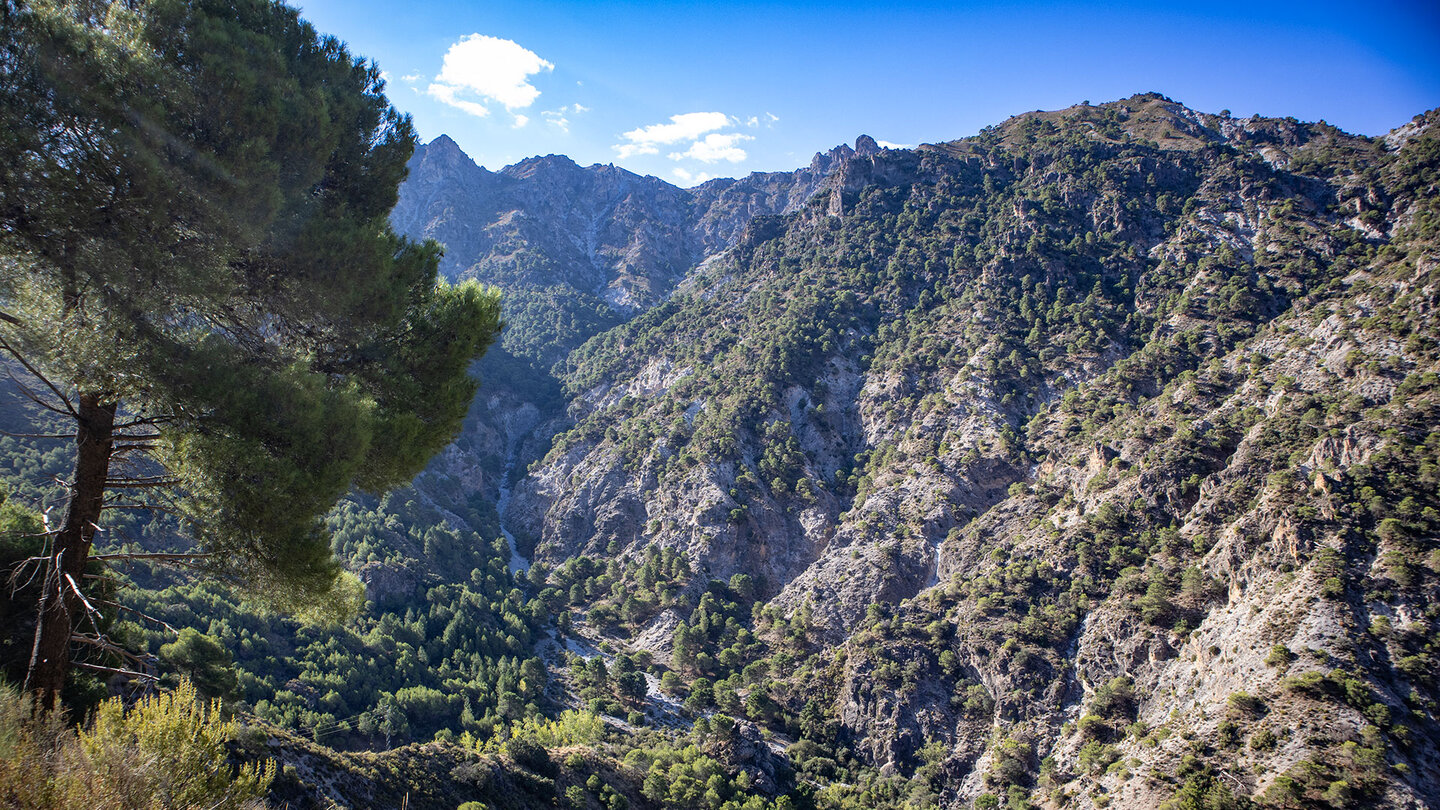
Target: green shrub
{"type": "Point", "coordinates": [1280, 656]}
{"type": "Point", "coordinates": [168, 750]}
{"type": "Point", "coordinates": [1263, 740]}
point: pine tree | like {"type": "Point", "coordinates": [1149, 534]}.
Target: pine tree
{"type": "Point", "coordinates": [197, 271]}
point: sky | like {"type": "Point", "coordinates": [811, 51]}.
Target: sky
{"type": "Point", "coordinates": [694, 90]}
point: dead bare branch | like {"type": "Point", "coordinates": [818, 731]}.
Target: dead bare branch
{"type": "Point", "coordinates": [145, 420]}
{"type": "Point", "coordinates": [126, 448]}
{"type": "Point", "coordinates": [147, 506]}
{"type": "Point", "coordinates": [30, 394]}
{"type": "Point", "coordinates": [99, 640]}
{"type": "Point", "coordinates": [126, 672]}
{"type": "Point", "coordinates": [156, 484]}
{"type": "Point", "coordinates": [90, 610]}
{"type": "Point", "coordinates": [142, 615]}
{"type": "Point", "coordinates": [14, 581]}
{"type": "Point", "coordinates": [13, 352]}
{"type": "Point", "coordinates": [37, 435]}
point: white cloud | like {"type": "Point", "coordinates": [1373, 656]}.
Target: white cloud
{"type": "Point", "coordinates": [488, 68]}
{"type": "Point", "coordinates": [631, 150]}
{"type": "Point", "coordinates": [520, 121]}
{"type": "Point", "coordinates": [686, 177]}
{"type": "Point", "coordinates": [626, 150]}
{"type": "Point", "coordinates": [411, 78]}
{"type": "Point", "coordinates": [579, 108]}
{"type": "Point", "coordinates": [702, 131]}
{"type": "Point", "coordinates": [889, 145]}
{"type": "Point", "coordinates": [715, 147]}
{"type": "Point", "coordinates": [683, 127]}
{"type": "Point", "coordinates": [772, 117]}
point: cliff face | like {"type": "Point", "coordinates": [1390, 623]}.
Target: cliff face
{"type": "Point", "coordinates": [1087, 461]}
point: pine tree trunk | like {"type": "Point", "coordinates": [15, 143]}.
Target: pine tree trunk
{"type": "Point", "coordinates": [59, 603]}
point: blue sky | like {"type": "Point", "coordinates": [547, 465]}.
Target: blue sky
{"type": "Point", "coordinates": [686, 91]}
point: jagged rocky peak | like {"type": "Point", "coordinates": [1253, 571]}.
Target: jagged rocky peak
{"type": "Point", "coordinates": [826, 162]}
{"type": "Point", "coordinates": [443, 156]}
{"type": "Point", "coordinates": [445, 145]}
{"type": "Point", "coordinates": [544, 167]}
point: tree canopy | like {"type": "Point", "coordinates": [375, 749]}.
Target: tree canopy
{"type": "Point", "coordinates": [197, 270]}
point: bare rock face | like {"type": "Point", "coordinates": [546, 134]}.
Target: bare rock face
{"type": "Point", "coordinates": [749, 749]}
{"type": "Point", "coordinates": [658, 636]}
{"type": "Point", "coordinates": [387, 584]}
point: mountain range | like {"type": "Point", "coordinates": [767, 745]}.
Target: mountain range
{"type": "Point", "coordinates": [1087, 460]}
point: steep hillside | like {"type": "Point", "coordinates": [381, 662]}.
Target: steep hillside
{"type": "Point", "coordinates": [1038, 446]}
{"type": "Point", "coordinates": [575, 251]}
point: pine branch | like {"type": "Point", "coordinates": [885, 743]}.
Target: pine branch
{"type": "Point", "coordinates": [160, 557]}
{"type": "Point", "coordinates": [35, 398]}
{"type": "Point", "coordinates": [126, 448]}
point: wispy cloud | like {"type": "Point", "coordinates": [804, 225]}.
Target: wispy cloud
{"type": "Point", "coordinates": [451, 95]}
{"type": "Point", "coordinates": [560, 118]}
{"type": "Point", "coordinates": [481, 69]}
{"type": "Point", "coordinates": [889, 145]}
{"type": "Point", "coordinates": [688, 178]}
{"type": "Point", "coordinates": [716, 147]}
